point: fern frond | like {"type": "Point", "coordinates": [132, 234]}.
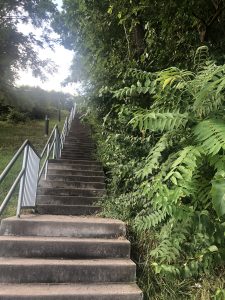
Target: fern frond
{"type": "Point", "coordinates": [170, 247]}
{"type": "Point", "coordinates": [201, 57]}
{"type": "Point", "coordinates": [152, 220]}
{"type": "Point", "coordinates": [159, 121]}
{"type": "Point", "coordinates": [184, 165]}
{"type": "Point", "coordinates": [218, 193]}
{"type": "Point", "coordinates": [207, 89]}
{"type": "Point", "coordinates": [211, 135]}
{"type": "Point", "coordinates": [173, 76]}
{"type": "Point", "coordinates": [152, 161]}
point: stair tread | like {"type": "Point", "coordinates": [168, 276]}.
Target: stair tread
{"type": "Point", "coordinates": [16, 261]}
{"type": "Point", "coordinates": [70, 181]}
{"type": "Point", "coordinates": [121, 240]}
{"type": "Point", "coordinates": [69, 289]}
{"type": "Point", "coordinates": [59, 218]}
{"type": "Point", "coordinates": [74, 161]}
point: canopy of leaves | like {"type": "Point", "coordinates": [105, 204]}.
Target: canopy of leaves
{"type": "Point", "coordinates": [17, 50]}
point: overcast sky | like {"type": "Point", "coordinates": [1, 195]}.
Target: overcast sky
{"type": "Point", "coordinates": [62, 58]}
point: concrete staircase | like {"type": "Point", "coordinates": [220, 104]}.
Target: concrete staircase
{"type": "Point", "coordinates": [65, 251]}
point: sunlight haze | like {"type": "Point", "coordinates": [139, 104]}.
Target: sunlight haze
{"type": "Point", "coordinates": [60, 56]}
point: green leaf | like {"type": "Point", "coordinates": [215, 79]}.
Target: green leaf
{"type": "Point", "coordinates": [218, 196]}
{"type": "Point", "coordinates": [213, 248]}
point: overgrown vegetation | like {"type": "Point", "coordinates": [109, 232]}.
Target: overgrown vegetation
{"type": "Point", "coordinates": [166, 174]}
{"type": "Point", "coordinates": [153, 74]}
{"type": "Point", "coordinates": [153, 77]}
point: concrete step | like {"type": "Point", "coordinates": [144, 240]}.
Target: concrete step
{"type": "Point", "coordinates": [78, 167]}
{"type": "Point", "coordinates": [77, 146]}
{"type": "Point", "coordinates": [71, 145]}
{"type": "Point", "coordinates": [79, 143]}
{"type": "Point", "coordinates": [71, 184]}
{"type": "Point", "coordinates": [67, 210]}
{"type": "Point", "coordinates": [33, 270]}
{"type": "Point", "coordinates": [75, 162]}
{"type": "Point", "coordinates": [77, 150]}
{"type": "Point", "coordinates": [66, 200]}
{"type": "Point", "coordinates": [80, 138]}
{"type": "Point", "coordinates": [62, 226]}
{"type": "Point", "coordinates": [70, 192]}
{"type": "Point", "coordinates": [78, 291]}
{"type": "Point", "coordinates": [75, 156]}
{"type": "Point", "coordinates": [73, 178]}
{"type": "Point", "coordinates": [71, 172]}
{"type": "Point", "coordinates": [52, 247]}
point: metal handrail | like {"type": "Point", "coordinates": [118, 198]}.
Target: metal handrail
{"type": "Point", "coordinates": [13, 160]}
{"type": "Point", "coordinates": [48, 141]}
{"type": "Point", "coordinates": [32, 169]}
{"type": "Point", "coordinates": [48, 147]}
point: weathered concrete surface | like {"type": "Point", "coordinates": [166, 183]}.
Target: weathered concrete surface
{"type": "Point", "coordinates": [83, 291]}
{"type": "Point", "coordinates": [59, 255]}
{"type": "Point", "coordinates": [63, 226]}
{"type": "Point", "coordinates": [31, 270]}
{"type": "Point", "coordinates": [61, 247]}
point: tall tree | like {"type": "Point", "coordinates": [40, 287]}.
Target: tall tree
{"type": "Point", "coordinates": [17, 50]}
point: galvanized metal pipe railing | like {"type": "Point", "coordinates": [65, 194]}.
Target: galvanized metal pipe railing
{"type": "Point", "coordinates": [32, 167]}
{"type": "Point", "coordinates": [29, 156]}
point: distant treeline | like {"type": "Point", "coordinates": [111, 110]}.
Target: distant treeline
{"type": "Point", "coordinates": [26, 102]}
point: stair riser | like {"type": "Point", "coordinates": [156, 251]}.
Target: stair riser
{"type": "Point", "coordinates": [74, 167]}
{"type": "Point", "coordinates": [75, 156]}
{"type": "Point", "coordinates": [62, 229]}
{"type": "Point", "coordinates": [66, 178]}
{"type": "Point", "coordinates": [65, 273]}
{"type": "Point", "coordinates": [74, 162]}
{"type": "Point", "coordinates": [66, 249]}
{"type": "Point", "coordinates": [70, 184]}
{"type": "Point", "coordinates": [70, 192]}
{"type": "Point", "coordinates": [77, 146]}
{"type": "Point", "coordinates": [57, 200]}
{"type": "Point", "coordinates": [74, 172]}
{"type": "Point", "coordinates": [77, 152]}
{"type": "Point", "coordinates": [81, 210]}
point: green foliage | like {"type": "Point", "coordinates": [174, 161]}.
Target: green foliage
{"type": "Point", "coordinates": [159, 121]}
{"type": "Point", "coordinates": [16, 116]}
{"type": "Point", "coordinates": [165, 164]}
{"type": "Point", "coordinates": [160, 130]}
{"type": "Point", "coordinates": [18, 50]}
{"type": "Point", "coordinates": [34, 103]}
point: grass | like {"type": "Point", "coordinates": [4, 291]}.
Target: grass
{"type": "Point", "coordinates": [11, 138]}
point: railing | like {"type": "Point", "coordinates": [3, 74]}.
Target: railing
{"type": "Point", "coordinates": [33, 166]}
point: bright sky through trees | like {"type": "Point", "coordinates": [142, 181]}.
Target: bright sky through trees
{"type": "Point", "coordinates": [60, 56]}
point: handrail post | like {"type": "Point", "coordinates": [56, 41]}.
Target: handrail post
{"type": "Point", "coordinates": [67, 126]}
{"type": "Point", "coordinates": [56, 144]}
{"type": "Point", "coordinates": [46, 166]}
{"type": "Point", "coordinates": [22, 181]}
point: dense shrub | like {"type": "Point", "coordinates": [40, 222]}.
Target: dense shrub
{"type": "Point", "coordinates": [166, 174]}
{"type": "Point", "coordinates": [15, 116]}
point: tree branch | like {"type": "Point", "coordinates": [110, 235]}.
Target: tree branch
{"type": "Point", "coordinates": [217, 14]}
{"type": "Point", "coordinates": [199, 18]}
